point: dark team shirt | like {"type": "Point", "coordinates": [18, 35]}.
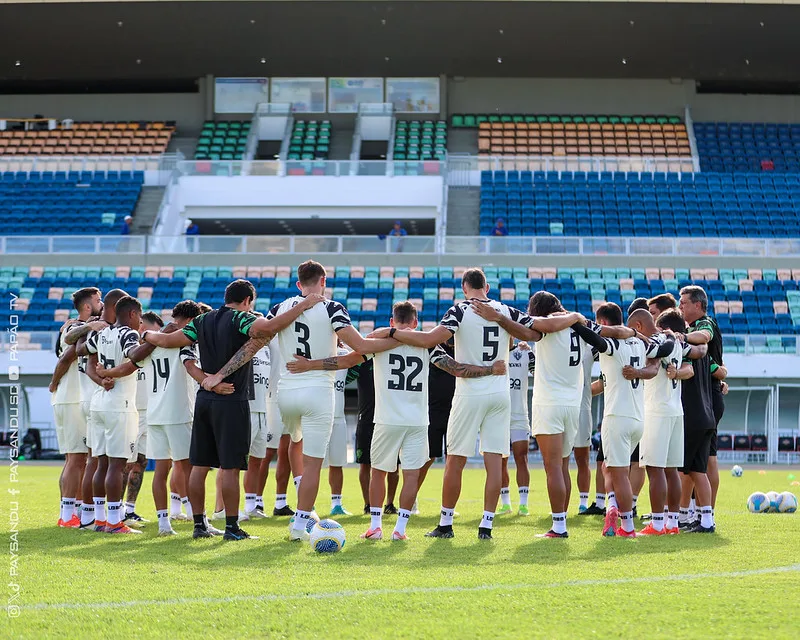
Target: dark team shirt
{"type": "Point", "coordinates": [696, 397]}
{"type": "Point", "coordinates": [707, 323]}
{"type": "Point", "coordinates": [364, 374]}
{"type": "Point", "coordinates": [441, 385]}
{"type": "Point", "coordinates": [220, 334]}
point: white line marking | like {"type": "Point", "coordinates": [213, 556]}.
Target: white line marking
{"type": "Point", "coordinates": [332, 595]}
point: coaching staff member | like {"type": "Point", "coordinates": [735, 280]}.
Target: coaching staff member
{"type": "Point", "coordinates": [221, 426]}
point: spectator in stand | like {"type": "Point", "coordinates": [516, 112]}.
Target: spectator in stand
{"type": "Point", "coordinates": [397, 229]}
{"type": "Point", "coordinates": [500, 228]}
{"type": "Point", "coordinates": [126, 226]}
{"type": "Point", "coordinates": [191, 230]}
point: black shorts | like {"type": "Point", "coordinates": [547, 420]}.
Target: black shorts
{"type": "Point", "coordinates": [635, 455]}
{"type": "Point", "coordinates": [220, 434]}
{"type": "Point", "coordinates": [437, 433]}
{"type": "Point", "coordinates": [719, 410]}
{"type": "Point", "coordinates": [696, 449]}
{"type": "Point", "coordinates": [364, 431]}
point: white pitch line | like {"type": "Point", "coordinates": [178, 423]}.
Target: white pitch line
{"type": "Point", "coordinates": [332, 595]}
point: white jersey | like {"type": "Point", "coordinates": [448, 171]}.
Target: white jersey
{"type": "Point", "coordinates": [312, 335]}
{"type": "Point", "coordinates": [558, 379]}
{"type": "Point", "coordinates": [480, 342]}
{"type": "Point", "coordinates": [275, 368]}
{"type": "Point", "coordinates": [260, 381]}
{"type": "Point", "coordinates": [141, 390]}
{"type": "Point", "coordinates": [662, 396]}
{"type": "Point", "coordinates": [170, 392]}
{"type": "Point", "coordinates": [621, 397]}
{"type": "Point", "coordinates": [113, 345]}
{"type": "Point", "coordinates": [87, 385]}
{"type": "Point", "coordinates": [69, 387]}
{"type": "Point", "coordinates": [338, 387]}
{"type": "Point", "coordinates": [520, 364]}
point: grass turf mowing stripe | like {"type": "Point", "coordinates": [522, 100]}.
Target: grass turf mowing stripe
{"type": "Point", "coordinates": [416, 590]}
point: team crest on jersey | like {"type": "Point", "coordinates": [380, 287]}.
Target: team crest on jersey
{"type": "Point", "coordinates": [517, 355]}
{"type": "Point", "coordinates": [269, 437]}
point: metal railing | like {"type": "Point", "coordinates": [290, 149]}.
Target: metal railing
{"type": "Point", "coordinates": [458, 245]}
{"type": "Point", "coordinates": [165, 162]}
{"type": "Point", "coordinates": [223, 168]}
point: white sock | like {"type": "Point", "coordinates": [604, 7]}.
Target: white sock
{"type": "Point", "coordinates": [505, 496]}
{"type": "Point", "coordinates": [100, 509]}
{"type": "Point", "coordinates": [67, 508]}
{"type": "Point", "coordinates": [559, 522]}
{"type": "Point", "coordinates": [446, 519]}
{"type": "Point", "coordinates": [114, 513]}
{"type": "Point", "coordinates": [488, 520]}
{"type": "Point", "coordinates": [684, 515]}
{"type": "Point", "coordinates": [163, 520]}
{"type": "Point", "coordinates": [174, 504]}
{"type": "Point", "coordinates": [658, 521]}
{"type": "Point", "coordinates": [87, 513]}
{"type": "Point", "coordinates": [301, 519]}
{"type": "Point", "coordinates": [78, 506]}
{"type": "Point", "coordinates": [297, 480]}
{"type": "Point", "coordinates": [249, 502]}
{"type": "Point", "coordinates": [635, 499]}
{"type": "Point", "coordinates": [260, 502]}
{"type": "Point", "coordinates": [672, 520]}
{"type": "Point", "coordinates": [375, 514]}
{"type": "Point", "coordinates": [523, 496]}
{"type": "Point", "coordinates": [706, 517]}
{"type": "Point", "coordinates": [611, 498]}
{"type": "Point", "coordinates": [187, 507]}
{"type": "Point", "coordinates": [402, 521]}
{"type": "Point", "coordinates": [336, 501]}
{"type": "Point", "coordinates": [627, 520]}
{"type": "Point", "coordinates": [584, 499]}
{"type": "Point", "coordinates": [280, 501]}
{"type": "Point", "coordinates": [600, 500]}
{"type": "Point", "coordinates": [130, 507]}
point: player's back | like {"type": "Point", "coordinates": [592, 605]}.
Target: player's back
{"type": "Point", "coordinates": [401, 386]}
{"type": "Point", "coordinates": [112, 345]}
{"type": "Point", "coordinates": [479, 342]}
{"type": "Point", "coordinates": [170, 392]}
{"type": "Point", "coordinates": [558, 378]}
{"type": "Point", "coordinates": [313, 336]}
{"type": "Point", "coordinates": [69, 387]}
{"type": "Point", "coordinates": [662, 396]}
{"type": "Point", "coordinates": [261, 371]}
{"type": "Point", "coordinates": [623, 397]}
{"type": "Point", "coordinates": [520, 362]}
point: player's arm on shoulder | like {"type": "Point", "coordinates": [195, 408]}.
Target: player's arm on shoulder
{"type": "Point", "coordinates": [76, 333]}
{"type": "Point", "coordinates": [660, 349]}
{"type": "Point", "coordinates": [424, 339]}
{"type": "Point", "coordinates": [358, 343]}
{"type": "Point", "coordinates": [695, 351]}
{"type": "Point", "coordinates": [558, 322]}
{"type": "Point", "coordinates": [334, 363]}
{"type": "Point", "coordinates": [461, 370]}
{"type": "Point", "coordinates": [238, 360]}
{"type": "Point", "coordinates": [648, 372]}
{"type": "Point", "coordinates": [172, 340]}
{"type": "Point", "coordinates": [511, 326]}
{"type": "Point", "coordinates": [702, 334]}
{"type": "Point", "coordinates": [619, 332]}
{"type": "Point", "coordinates": [268, 327]}
{"type": "Point", "coordinates": [590, 337]}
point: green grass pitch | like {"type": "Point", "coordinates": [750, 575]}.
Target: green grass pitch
{"type": "Point", "coordinates": [742, 582]}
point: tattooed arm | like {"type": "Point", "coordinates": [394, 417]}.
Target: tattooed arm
{"type": "Point", "coordinates": [73, 335]}
{"type": "Point", "coordinates": [301, 364]}
{"type": "Point", "coordinates": [460, 370]}
{"type": "Point", "coordinates": [239, 359]}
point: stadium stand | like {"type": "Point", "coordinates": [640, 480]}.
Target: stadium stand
{"type": "Point", "coordinates": [543, 135]}
{"type": "Point", "coordinates": [755, 301]}
{"type": "Point", "coordinates": [225, 140]}
{"type": "Point", "coordinates": [310, 140]}
{"type": "Point", "coordinates": [632, 204]}
{"type": "Point", "coordinates": [90, 138]}
{"type": "Point", "coordinates": [746, 146]}
{"type": "Point", "coordinates": [67, 203]}
{"type": "Point", "coordinates": [415, 140]}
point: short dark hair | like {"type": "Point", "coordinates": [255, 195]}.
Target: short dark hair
{"type": "Point", "coordinates": [663, 301]}
{"type": "Point", "coordinates": [639, 303]}
{"type": "Point", "coordinates": [82, 295]}
{"type": "Point", "coordinates": [696, 294]}
{"type": "Point", "coordinates": [127, 304]}
{"type": "Point", "coordinates": [671, 319]}
{"type": "Point", "coordinates": [204, 308]}
{"type": "Point", "coordinates": [404, 312]}
{"type": "Point", "coordinates": [114, 296]}
{"type": "Point", "coordinates": [153, 318]}
{"type": "Point", "coordinates": [610, 311]}
{"type": "Point", "coordinates": [310, 273]}
{"type": "Point", "coordinates": [238, 291]}
{"type": "Point", "coordinates": [543, 303]}
{"type": "Point", "coordinates": [474, 278]}
{"type": "Point", "coordinates": [186, 309]}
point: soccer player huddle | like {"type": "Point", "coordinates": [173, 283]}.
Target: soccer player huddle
{"type": "Point", "coordinates": [231, 390]}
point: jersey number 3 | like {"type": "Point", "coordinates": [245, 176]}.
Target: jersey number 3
{"type": "Point", "coordinates": [404, 382]}
{"type": "Point", "coordinates": [302, 339]}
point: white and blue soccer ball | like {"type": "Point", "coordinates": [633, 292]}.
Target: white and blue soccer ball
{"type": "Point", "coordinates": [774, 498]}
{"type": "Point", "coordinates": [309, 525]}
{"type": "Point", "coordinates": [327, 536]}
{"type": "Point", "coordinates": [787, 502]}
{"type": "Point", "coordinates": [737, 471]}
{"type": "Point", "coordinates": [758, 502]}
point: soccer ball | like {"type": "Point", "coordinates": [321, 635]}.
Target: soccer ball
{"type": "Point", "coordinates": [774, 498]}
{"type": "Point", "coordinates": [758, 502]}
{"type": "Point", "coordinates": [327, 536]}
{"type": "Point", "coordinates": [737, 471]}
{"type": "Point", "coordinates": [787, 502]}
{"type": "Point", "coordinates": [311, 522]}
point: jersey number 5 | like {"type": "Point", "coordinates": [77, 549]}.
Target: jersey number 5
{"type": "Point", "coordinates": [405, 382]}
{"type": "Point", "coordinates": [491, 340]}
{"type": "Point", "coordinates": [635, 363]}
{"type": "Point", "coordinates": [302, 339]}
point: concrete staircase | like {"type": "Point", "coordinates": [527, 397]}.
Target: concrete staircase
{"type": "Point", "coordinates": [462, 141]}
{"type": "Point", "coordinates": [341, 143]}
{"type": "Point", "coordinates": [185, 144]}
{"type": "Point", "coordinates": [147, 209]}
{"type": "Point", "coordinates": [463, 208]}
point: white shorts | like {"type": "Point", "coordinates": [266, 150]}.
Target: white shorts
{"type": "Point", "coordinates": [169, 441]}
{"type": "Point", "coordinates": [620, 437]}
{"type": "Point", "coordinates": [520, 431]}
{"type": "Point", "coordinates": [87, 416]}
{"type": "Point", "coordinates": [662, 442]}
{"type": "Point", "coordinates": [70, 427]}
{"type": "Point", "coordinates": [308, 416]}
{"type": "Point", "coordinates": [141, 437]}
{"type": "Point", "coordinates": [258, 434]}
{"type": "Point", "coordinates": [552, 420]}
{"type": "Point", "coordinates": [275, 426]}
{"type": "Point", "coordinates": [114, 433]}
{"type": "Point", "coordinates": [583, 437]}
{"type": "Point", "coordinates": [487, 417]}
{"type": "Point", "coordinates": [337, 447]}
{"type": "Point", "coordinates": [410, 443]}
